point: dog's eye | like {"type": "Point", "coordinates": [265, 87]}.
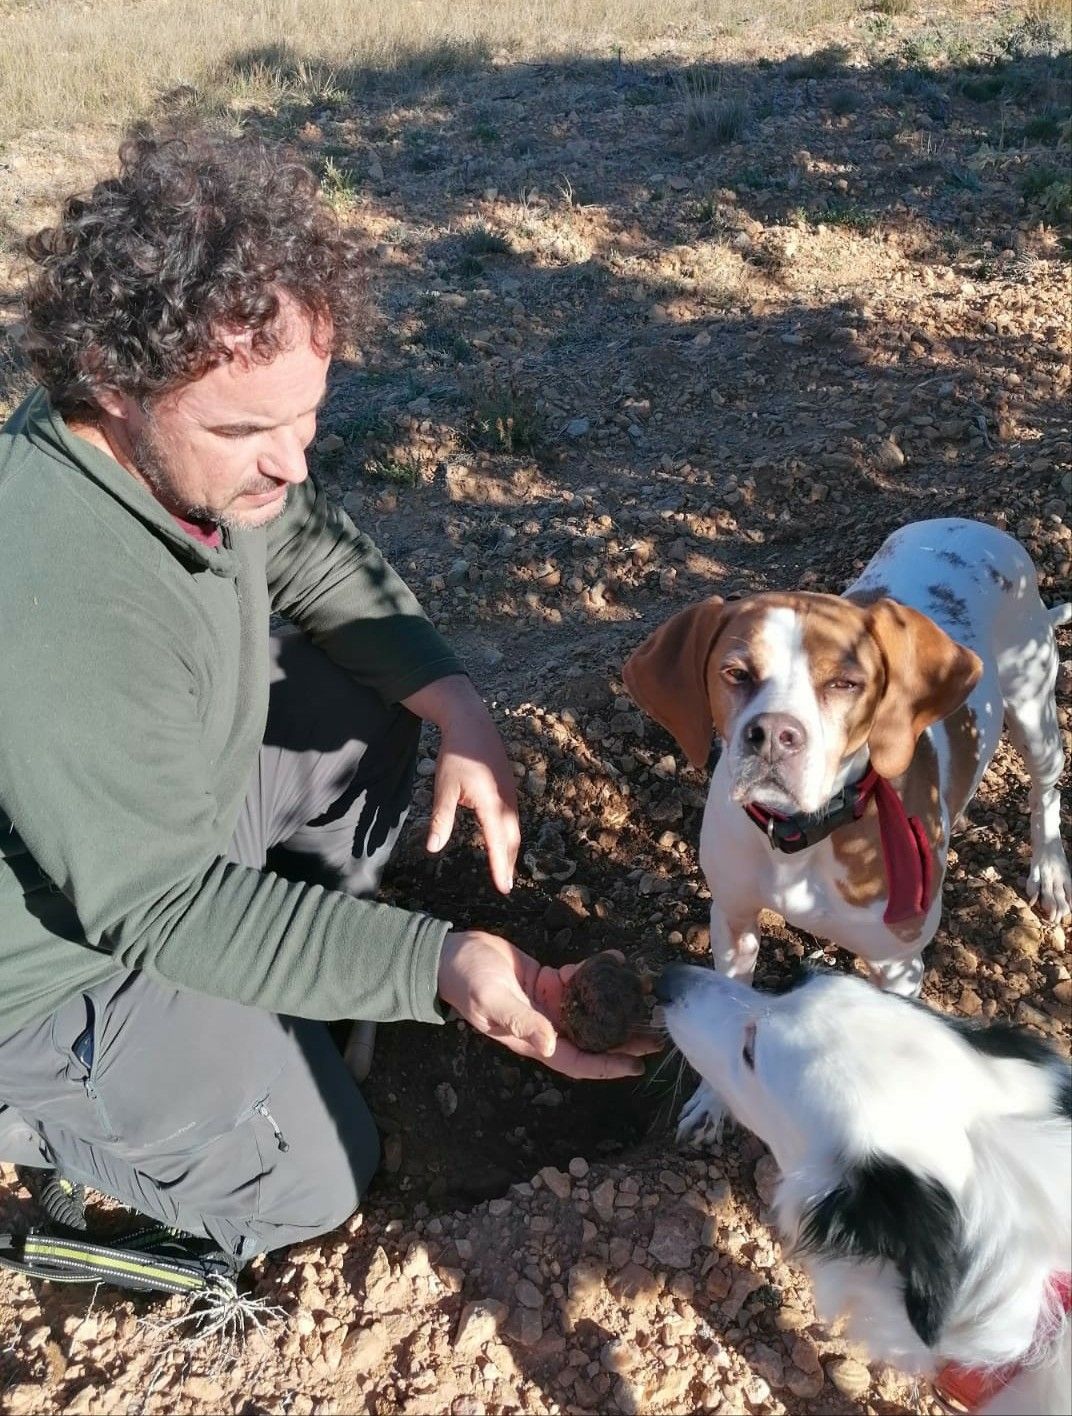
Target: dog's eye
{"type": "Point", "coordinates": [748, 1051]}
{"type": "Point", "coordinates": [736, 674]}
{"type": "Point", "coordinates": [845, 685]}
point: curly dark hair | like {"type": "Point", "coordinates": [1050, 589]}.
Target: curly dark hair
{"type": "Point", "coordinates": [196, 237]}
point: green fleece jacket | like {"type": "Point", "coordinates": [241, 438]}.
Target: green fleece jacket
{"type": "Point", "coordinates": [133, 700]}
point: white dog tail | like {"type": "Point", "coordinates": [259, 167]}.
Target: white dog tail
{"type": "Point", "coordinates": [1060, 614]}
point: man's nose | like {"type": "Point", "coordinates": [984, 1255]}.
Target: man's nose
{"type": "Point", "coordinates": [287, 464]}
{"type": "Point", "coordinates": [774, 736]}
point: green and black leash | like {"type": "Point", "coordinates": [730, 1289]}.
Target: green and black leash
{"type": "Point", "coordinates": [151, 1260]}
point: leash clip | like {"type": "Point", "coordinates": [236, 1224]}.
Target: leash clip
{"type": "Point", "coordinates": [770, 833]}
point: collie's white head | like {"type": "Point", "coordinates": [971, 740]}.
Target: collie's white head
{"type": "Point", "coordinates": [926, 1164]}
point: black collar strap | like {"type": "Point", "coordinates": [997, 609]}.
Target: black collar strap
{"type": "Point", "coordinates": [790, 834]}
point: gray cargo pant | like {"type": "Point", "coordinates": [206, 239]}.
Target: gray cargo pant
{"type": "Point", "coordinates": [217, 1118]}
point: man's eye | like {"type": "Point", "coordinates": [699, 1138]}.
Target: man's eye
{"type": "Point", "coordinates": [734, 673]}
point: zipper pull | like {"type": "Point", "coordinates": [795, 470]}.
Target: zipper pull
{"type": "Point", "coordinates": [262, 1110]}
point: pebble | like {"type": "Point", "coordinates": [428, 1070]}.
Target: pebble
{"type": "Point", "coordinates": [888, 456]}
{"type": "Point", "coordinates": [577, 427]}
{"type": "Point", "coordinates": [675, 1239]}
{"type": "Point", "coordinates": [849, 1376]}
{"type": "Point", "coordinates": [525, 1326]}
{"type": "Point", "coordinates": [479, 1322]}
{"type": "Point", "coordinates": [603, 1200]}
{"type": "Point", "coordinates": [559, 1184]}
{"type": "Point", "coordinates": [1023, 939]}
{"type": "Point", "coordinates": [364, 1348]}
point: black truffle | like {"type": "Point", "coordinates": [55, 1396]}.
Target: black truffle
{"type": "Point", "coordinates": [603, 1004]}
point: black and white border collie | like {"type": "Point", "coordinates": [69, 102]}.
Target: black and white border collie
{"type": "Point", "coordinates": [926, 1172]}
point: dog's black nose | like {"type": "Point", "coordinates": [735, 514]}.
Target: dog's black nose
{"type": "Point", "coordinates": [773, 736]}
{"type": "Point", "coordinates": [672, 983]}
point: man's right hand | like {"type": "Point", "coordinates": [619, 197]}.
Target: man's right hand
{"type": "Point", "coordinates": [505, 994]}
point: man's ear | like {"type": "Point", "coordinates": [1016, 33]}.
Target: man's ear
{"type": "Point", "coordinates": [928, 676]}
{"type": "Point", "coordinates": [882, 1210]}
{"type": "Point", "coordinates": [667, 676]}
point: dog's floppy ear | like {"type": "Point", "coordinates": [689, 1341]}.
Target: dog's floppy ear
{"type": "Point", "coordinates": [928, 676]}
{"type": "Point", "coordinates": [667, 676]}
{"type": "Point", "coordinates": [883, 1210]}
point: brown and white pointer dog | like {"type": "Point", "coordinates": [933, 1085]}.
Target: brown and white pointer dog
{"type": "Point", "coordinates": [856, 729]}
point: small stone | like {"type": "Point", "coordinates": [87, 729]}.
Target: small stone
{"type": "Point", "coordinates": [805, 1385]}
{"type": "Point", "coordinates": [969, 1003]}
{"type": "Point", "coordinates": [365, 1348]}
{"type": "Point", "coordinates": [458, 573]}
{"type": "Point", "coordinates": [447, 1098]}
{"type": "Point", "coordinates": [1023, 938]}
{"type": "Point", "coordinates": [578, 427]}
{"type": "Point", "coordinates": [525, 1326]}
{"type": "Point", "coordinates": [479, 1322]}
{"type": "Point", "coordinates": [888, 456]}
{"type": "Point", "coordinates": [528, 1294]}
{"type": "Point", "coordinates": [618, 1355]}
{"type": "Point", "coordinates": [559, 1184]}
{"type": "Point", "coordinates": [768, 1363]}
{"type": "Point", "coordinates": [849, 1376]}
{"type": "Point", "coordinates": [766, 1177]}
{"type": "Point", "coordinates": [675, 1238]}
{"type": "Point", "coordinates": [330, 442]}
{"type": "Point", "coordinates": [630, 1402]}
{"type": "Point", "coordinates": [603, 1200]}
{"type": "Point", "coordinates": [578, 1167]}
{"type": "Point", "coordinates": [805, 1358]}
{"type": "Point", "coordinates": [634, 1281]}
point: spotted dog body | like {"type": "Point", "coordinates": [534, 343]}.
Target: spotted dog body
{"type": "Point", "coordinates": [913, 671]}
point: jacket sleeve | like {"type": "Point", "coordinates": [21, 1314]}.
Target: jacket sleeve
{"type": "Point", "coordinates": [103, 779]}
{"type": "Point", "coordinates": [329, 578]}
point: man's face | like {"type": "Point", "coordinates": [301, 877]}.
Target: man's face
{"type": "Point", "coordinates": [226, 447]}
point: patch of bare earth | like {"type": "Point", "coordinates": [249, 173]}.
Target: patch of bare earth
{"type": "Point", "coordinates": [651, 330]}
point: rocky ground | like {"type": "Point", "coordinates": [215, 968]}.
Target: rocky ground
{"type": "Point", "coordinates": [650, 328]}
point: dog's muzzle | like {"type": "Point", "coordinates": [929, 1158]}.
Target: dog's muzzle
{"type": "Point", "coordinates": [676, 981]}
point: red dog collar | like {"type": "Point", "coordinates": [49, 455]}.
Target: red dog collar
{"type": "Point", "coordinates": [906, 851]}
{"type": "Point", "coordinates": [966, 1389]}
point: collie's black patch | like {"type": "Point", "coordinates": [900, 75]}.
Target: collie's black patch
{"type": "Point", "coordinates": [883, 1210]}
{"type": "Point", "coordinates": [1064, 1095]}
{"type": "Point", "coordinates": [1004, 1041]}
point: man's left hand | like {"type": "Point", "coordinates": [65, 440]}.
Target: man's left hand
{"type": "Point", "coordinates": [505, 994]}
{"type": "Point", "coordinates": [472, 770]}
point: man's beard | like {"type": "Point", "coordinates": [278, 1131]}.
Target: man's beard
{"type": "Point", "coordinates": [151, 462]}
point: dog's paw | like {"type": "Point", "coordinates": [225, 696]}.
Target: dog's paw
{"type": "Point", "coordinates": [701, 1120]}
{"type": "Point", "coordinates": [1049, 885]}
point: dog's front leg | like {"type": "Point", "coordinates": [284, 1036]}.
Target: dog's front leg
{"type": "Point", "coordinates": [734, 947]}
{"type": "Point", "coordinates": [701, 1120]}
{"type": "Point", "coordinates": [734, 944]}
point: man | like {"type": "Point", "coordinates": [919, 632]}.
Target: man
{"type": "Point", "coordinates": [194, 813]}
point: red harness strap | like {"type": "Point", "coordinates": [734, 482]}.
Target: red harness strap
{"type": "Point", "coordinates": [966, 1389]}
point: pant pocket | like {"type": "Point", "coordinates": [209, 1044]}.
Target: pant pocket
{"type": "Point", "coordinates": [74, 1035]}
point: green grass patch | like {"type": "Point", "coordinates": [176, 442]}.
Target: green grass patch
{"type": "Point", "coordinates": [505, 418]}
